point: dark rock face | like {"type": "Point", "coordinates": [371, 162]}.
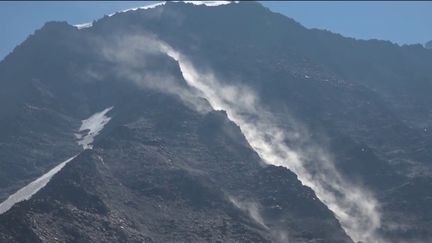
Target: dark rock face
{"type": "Point", "coordinates": [143, 183]}
{"type": "Point", "coordinates": [163, 171]}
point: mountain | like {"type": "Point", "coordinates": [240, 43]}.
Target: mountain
{"type": "Point", "coordinates": [190, 122]}
{"type": "Point", "coordinates": [428, 45]}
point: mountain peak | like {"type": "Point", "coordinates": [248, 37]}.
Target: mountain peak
{"type": "Point", "coordinates": [231, 123]}
{"type": "Point", "coordinates": [158, 4]}
{"type": "Point", "coordinates": [428, 45]}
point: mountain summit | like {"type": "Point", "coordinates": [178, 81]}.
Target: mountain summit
{"type": "Point", "coordinates": [213, 122]}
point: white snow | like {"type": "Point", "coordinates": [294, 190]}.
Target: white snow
{"type": "Point", "coordinates": [143, 7]}
{"type": "Point", "coordinates": [87, 25]}
{"type": "Point", "coordinates": [91, 127]}
{"type": "Point", "coordinates": [206, 3]}
{"type": "Point", "coordinates": [84, 25]}
{"type": "Point", "coordinates": [356, 208]}
{"type": "Point", "coordinates": [28, 191]}
{"type": "Point", "coordinates": [210, 3]}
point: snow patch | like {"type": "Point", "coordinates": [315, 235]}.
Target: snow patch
{"type": "Point", "coordinates": [150, 6]}
{"type": "Point", "coordinates": [206, 3]}
{"type": "Point", "coordinates": [137, 8]}
{"type": "Point", "coordinates": [84, 25]}
{"type": "Point", "coordinates": [91, 127]}
{"type": "Point", "coordinates": [28, 191]}
{"type": "Point", "coordinates": [88, 25]}
{"type": "Point", "coordinates": [210, 3]}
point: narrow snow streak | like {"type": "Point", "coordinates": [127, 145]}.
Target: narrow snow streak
{"type": "Point", "coordinates": [90, 24]}
{"type": "Point", "coordinates": [84, 25]}
{"type": "Point", "coordinates": [150, 6]}
{"type": "Point", "coordinates": [28, 191]}
{"type": "Point", "coordinates": [210, 3]}
{"type": "Point", "coordinates": [91, 127]}
{"type": "Point", "coordinates": [355, 208]}
{"type": "Point", "coordinates": [138, 8]}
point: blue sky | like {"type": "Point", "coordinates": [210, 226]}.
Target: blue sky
{"type": "Point", "coordinates": [401, 22]}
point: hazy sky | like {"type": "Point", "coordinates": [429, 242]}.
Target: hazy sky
{"type": "Point", "coordinates": [400, 22]}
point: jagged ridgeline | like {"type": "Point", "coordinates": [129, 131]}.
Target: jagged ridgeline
{"type": "Point", "coordinates": [207, 122]}
{"type": "Point", "coordinates": [428, 45]}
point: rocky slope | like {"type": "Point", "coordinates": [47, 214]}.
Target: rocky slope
{"type": "Point", "coordinates": [349, 117]}
{"type": "Point", "coordinates": [170, 176]}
